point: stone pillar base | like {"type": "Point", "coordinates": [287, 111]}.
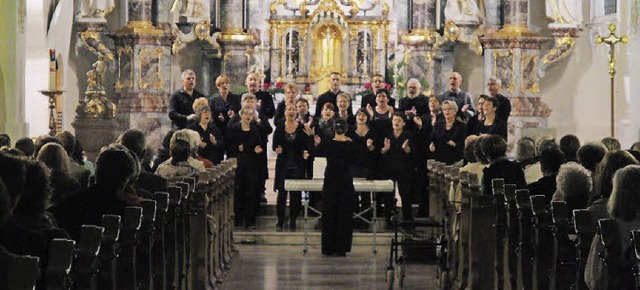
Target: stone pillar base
{"type": "Point", "coordinates": [94, 134]}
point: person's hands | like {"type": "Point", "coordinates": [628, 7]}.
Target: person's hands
{"type": "Point", "coordinates": [370, 145]}
{"type": "Point", "coordinates": [370, 110]}
{"type": "Point", "coordinates": [386, 146]}
{"type": "Point", "coordinates": [451, 143]}
{"type": "Point", "coordinates": [213, 139]}
{"type": "Point", "coordinates": [305, 154]}
{"type": "Point", "coordinates": [465, 108]}
{"type": "Point", "coordinates": [418, 121]}
{"type": "Point", "coordinates": [191, 117]}
{"type": "Point", "coordinates": [221, 117]}
{"type": "Point", "coordinates": [258, 104]}
{"type": "Point", "coordinates": [231, 114]}
{"type": "Point", "coordinates": [432, 147]}
{"type": "Point", "coordinates": [406, 147]}
{"type": "Point", "coordinates": [258, 149]}
{"type": "Point", "coordinates": [307, 128]}
{"type": "Point", "coordinates": [279, 150]}
{"type": "Point", "coordinates": [241, 148]}
{"type": "Point", "coordinates": [202, 143]}
{"type": "Point", "coordinates": [316, 140]}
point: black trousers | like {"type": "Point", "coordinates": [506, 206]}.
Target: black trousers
{"type": "Point", "coordinates": [247, 199]}
{"type": "Point", "coordinates": [295, 198]}
{"type": "Point", "coordinates": [404, 182]}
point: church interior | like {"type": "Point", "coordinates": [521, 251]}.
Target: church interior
{"type": "Point", "coordinates": [92, 70]}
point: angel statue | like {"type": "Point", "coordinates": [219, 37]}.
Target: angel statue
{"type": "Point", "coordinates": [96, 8]}
{"type": "Point", "coordinates": [564, 12]}
{"type": "Point", "coordinates": [191, 8]}
{"type": "Point", "coordinates": [462, 11]}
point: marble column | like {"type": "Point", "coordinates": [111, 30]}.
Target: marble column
{"type": "Point", "coordinates": [513, 55]}
{"type": "Point", "coordinates": [12, 73]}
{"type": "Point", "coordinates": [143, 74]}
{"type": "Point", "coordinates": [424, 14]}
{"type": "Point", "coordinates": [424, 62]}
{"type": "Point", "coordinates": [493, 15]}
{"type": "Point", "coordinates": [237, 46]}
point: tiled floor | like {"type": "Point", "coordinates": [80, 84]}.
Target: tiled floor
{"type": "Point", "coordinates": [285, 267]}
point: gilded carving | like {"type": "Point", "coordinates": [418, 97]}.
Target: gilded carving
{"type": "Point", "coordinates": [528, 70]}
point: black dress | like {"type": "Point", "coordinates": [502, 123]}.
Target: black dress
{"type": "Point", "coordinates": [247, 174]}
{"type": "Point", "coordinates": [399, 166]}
{"type": "Point", "coordinates": [211, 152]}
{"type": "Point", "coordinates": [338, 199]}
{"type": "Point", "coordinates": [290, 164]}
{"type": "Point", "coordinates": [440, 136]}
{"type": "Point", "coordinates": [498, 127]}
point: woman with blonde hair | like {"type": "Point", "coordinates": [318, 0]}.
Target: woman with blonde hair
{"type": "Point", "coordinates": [55, 158]}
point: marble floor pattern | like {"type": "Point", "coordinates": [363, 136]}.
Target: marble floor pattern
{"type": "Point", "coordinates": [284, 267]}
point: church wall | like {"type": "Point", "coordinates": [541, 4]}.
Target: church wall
{"type": "Point", "coordinates": [12, 61]}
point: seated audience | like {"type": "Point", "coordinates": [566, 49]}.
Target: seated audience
{"type": "Point", "coordinates": [115, 174]}
{"type": "Point", "coordinates": [590, 155]}
{"type": "Point", "coordinates": [163, 152]}
{"type": "Point", "coordinates": [569, 144]}
{"type": "Point", "coordinates": [27, 147]}
{"type": "Point", "coordinates": [495, 149]}
{"type": "Point", "coordinates": [622, 206]}
{"type": "Point", "coordinates": [573, 186]}
{"type": "Point", "coordinates": [611, 143]}
{"type": "Point", "coordinates": [612, 162]}
{"type": "Point", "coordinates": [68, 142]}
{"type": "Point", "coordinates": [527, 157]}
{"type": "Point", "coordinates": [550, 160]}
{"type": "Point", "coordinates": [134, 140]}
{"type": "Point", "coordinates": [178, 166]}
{"type": "Point", "coordinates": [62, 183]}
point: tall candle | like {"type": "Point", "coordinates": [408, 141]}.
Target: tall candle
{"type": "Point", "coordinates": [52, 69]}
{"type": "Point", "coordinates": [366, 47]}
{"type": "Point", "coordinates": [438, 9]}
{"type": "Point", "coordinates": [291, 39]}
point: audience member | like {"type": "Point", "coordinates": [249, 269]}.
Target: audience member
{"type": "Point", "coordinates": [612, 162]}
{"type": "Point", "coordinates": [62, 183]}
{"type": "Point", "coordinates": [590, 154]}
{"type": "Point", "coordinates": [527, 157]}
{"type": "Point", "coordinates": [569, 144]}
{"type": "Point", "coordinates": [550, 161]}
{"type": "Point", "coordinates": [495, 149]}
{"type": "Point", "coordinates": [134, 140]}
{"type": "Point", "coordinates": [27, 146]}
{"type": "Point", "coordinates": [573, 186]}
{"type": "Point", "coordinates": [611, 143]}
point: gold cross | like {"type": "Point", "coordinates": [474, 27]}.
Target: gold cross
{"type": "Point", "coordinates": [612, 40]}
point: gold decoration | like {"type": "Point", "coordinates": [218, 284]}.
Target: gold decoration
{"type": "Point", "coordinates": [140, 28]}
{"type": "Point", "coordinates": [451, 31]}
{"type": "Point", "coordinates": [127, 83]}
{"type": "Point", "coordinates": [611, 41]}
{"type": "Point", "coordinates": [528, 70]}
{"type": "Point", "coordinates": [514, 31]}
{"type": "Point", "coordinates": [561, 49]}
{"type": "Point", "coordinates": [94, 108]}
{"type": "Point", "coordinates": [272, 6]}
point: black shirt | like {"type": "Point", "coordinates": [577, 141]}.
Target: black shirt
{"type": "Point", "coordinates": [498, 127]}
{"type": "Point", "coordinates": [219, 106]}
{"type": "Point", "coordinates": [267, 108]}
{"type": "Point", "coordinates": [420, 102]}
{"type": "Point", "coordinates": [504, 107]}
{"type": "Point", "coordinates": [440, 136]}
{"type": "Point", "coordinates": [181, 106]}
{"type": "Point", "coordinates": [329, 97]}
{"type": "Point", "coordinates": [370, 99]}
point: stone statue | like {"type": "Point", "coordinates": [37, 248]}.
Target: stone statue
{"type": "Point", "coordinates": [100, 68]}
{"type": "Point", "coordinates": [191, 8]}
{"type": "Point", "coordinates": [462, 11]}
{"type": "Point", "coordinates": [564, 12]}
{"type": "Point", "coordinates": [96, 8]}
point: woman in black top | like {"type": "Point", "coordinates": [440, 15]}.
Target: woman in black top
{"type": "Point", "coordinates": [323, 129]}
{"type": "Point", "coordinates": [246, 145]}
{"type": "Point", "coordinates": [290, 93]}
{"type": "Point", "coordinates": [492, 124]}
{"type": "Point", "coordinates": [343, 102]}
{"type": "Point", "coordinates": [211, 145]}
{"type": "Point", "coordinates": [290, 143]}
{"type": "Point", "coordinates": [339, 194]}
{"type": "Point", "coordinates": [495, 149]}
{"type": "Point", "coordinates": [397, 164]}
{"type": "Point", "coordinates": [381, 114]}
{"type": "Point", "coordinates": [224, 104]}
{"type": "Point", "coordinates": [364, 150]}
{"type": "Point", "coordinates": [447, 138]}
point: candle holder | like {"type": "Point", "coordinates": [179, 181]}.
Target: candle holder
{"type": "Point", "coordinates": [52, 105]}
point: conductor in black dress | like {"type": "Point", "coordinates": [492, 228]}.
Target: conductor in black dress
{"type": "Point", "coordinates": [338, 194]}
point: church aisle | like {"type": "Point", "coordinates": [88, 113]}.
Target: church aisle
{"type": "Point", "coordinates": [284, 267]}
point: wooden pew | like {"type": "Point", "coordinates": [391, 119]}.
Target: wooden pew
{"type": "Point", "coordinates": [543, 242]}
{"type": "Point", "coordinates": [159, 247]}
{"type": "Point", "coordinates": [464, 219]}
{"type": "Point", "coordinates": [525, 245]}
{"type": "Point", "coordinates": [512, 237]}
{"type": "Point", "coordinates": [57, 273]}
{"type": "Point", "coordinates": [482, 237]}
{"type": "Point", "coordinates": [585, 228]}
{"type": "Point", "coordinates": [86, 263]}
{"type": "Point", "coordinates": [635, 237]}
{"type": "Point", "coordinates": [22, 272]}
{"type": "Point", "coordinates": [216, 222]}
{"type": "Point", "coordinates": [228, 216]}
{"type": "Point", "coordinates": [145, 259]}
{"type": "Point", "coordinates": [199, 235]}
{"type": "Point", "coordinates": [499, 201]}
{"type": "Point", "coordinates": [171, 236]}
{"type": "Point", "coordinates": [564, 254]}
{"type": "Point", "coordinates": [618, 263]}
{"type": "Point", "coordinates": [109, 252]}
{"type": "Point", "coordinates": [183, 234]}
{"type": "Point", "coordinates": [127, 262]}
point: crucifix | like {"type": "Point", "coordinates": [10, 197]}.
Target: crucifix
{"type": "Point", "coordinates": [612, 40]}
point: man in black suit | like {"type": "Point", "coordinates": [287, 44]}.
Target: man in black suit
{"type": "Point", "coordinates": [377, 83]}
{"type": "Point", "coordinates": [331, 95]}
{"type": "Point", "coordinates": [504, 109]}
{"type": "Point", "coordinates": [181, 102]}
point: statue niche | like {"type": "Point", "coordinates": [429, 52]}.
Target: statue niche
{"type": "Point", "coordinates": [327, 40]}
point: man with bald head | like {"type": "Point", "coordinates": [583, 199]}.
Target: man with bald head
{"type": "Point", "coordinates": [462, 98]}
{"type": "Point", "coordinates": [264, 99]}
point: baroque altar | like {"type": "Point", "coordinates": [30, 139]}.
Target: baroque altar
{"type": "Point", "coordinates": [310, 40]}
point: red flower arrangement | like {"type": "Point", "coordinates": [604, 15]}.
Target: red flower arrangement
{"type": "Point", "coordinates": [367, 86]}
